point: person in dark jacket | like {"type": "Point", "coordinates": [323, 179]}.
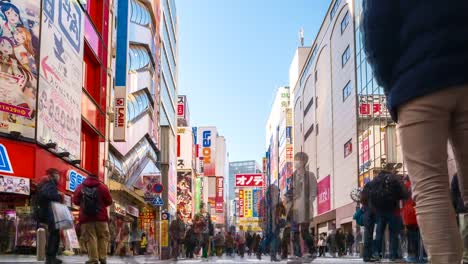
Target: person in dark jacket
{"type": "Point", "coordinates": [190, 241]}
{"type": "Point", "coordinates": [349, 243]}
{"type": "Point", "coordinates": [461, 211]}
{"type": "Point", "coordinates": [419, 53]}
{"type": "Point", "coordinates": [48, 193]}
{"type": "Point", "coordinates": [369, 219]}
{"type": "Point", "coordinates": [94, 226]}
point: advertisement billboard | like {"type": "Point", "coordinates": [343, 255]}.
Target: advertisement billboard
{"type": "Point", "coordinates": [256, 198]}
{"type": "Point", "coordinates": [184, 194]}
{"type": "Point", "coordinates": [207, 137]}
{"type": "Point", "coordinates": [211, 191]}
{"type": "Point", "coordinates": [184, 148]}
{"type": "Point", "coordinates": [219, 194]}
{"type": "Point", "coordinates": [61, 76]}
{"type": "Point", "coordinates": [364, 150]}
{"type": "Point", "coordinates": [248, 203]}
{"type": "Point", "coordinates": [324, 196]}
{"type": "Point", "coordinates": [241, 203]}
{"type": "Point", "coordinates": [198, 194]}
{"type": "Point", "coordinates": [249, 180]}
{"type": "Point", "coordinates": [372, 106]}
{"type": "Point", "coordinates": [10, 184]}
{"type": "Point", "coordinates": [19, 39]}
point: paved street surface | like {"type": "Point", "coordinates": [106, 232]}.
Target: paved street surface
{"type": "Point", "coordinates": [149, 260]}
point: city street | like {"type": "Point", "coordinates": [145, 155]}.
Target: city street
{"type": "Point", "coordinates": [141, 260]}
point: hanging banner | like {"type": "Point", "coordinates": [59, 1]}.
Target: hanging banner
{"type": "Point", "coordinates": [241, 203]}
{"type": "Point", "coordinates": [164, 233]}
{"type": "Point", "coordinates": [257, 196]}
{"type": "Point", "coordinates": [198, 192]}
{"type": "Point", "coordinates": [184, 148]}
{"type": "Point", "coordinates": [324, 196]}
{"type": "Point", "coordinates": [219, 194]}
{"type": "Point", "coordinates": [61, 76]}
{"type": "Point", "coordinates": [10, 184]}
{"type": "Point", "coordinates": [248, 203]}
{"type": "Point", "coordinates": [19, 39]}
{"type": "Point", "coordinates": [184, 194]}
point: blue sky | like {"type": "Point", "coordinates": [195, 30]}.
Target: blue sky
{"type": "Point", "coordinates": [233, 54]}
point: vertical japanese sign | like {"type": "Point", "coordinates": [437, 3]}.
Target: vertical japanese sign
{"type": "Point", "coordinates": [324, 196]}
{"type": "Point", "coordinates": [164, 233]}
{"type": "Point", "coordinates": [184, 148]}
{"type": "Point", "coordinates": [257, 196]}
{"type": "Point", "coordinates": [181, 106]}
{"type": "Point", "coordinates": [19, 42]}
{"type": "Point", "coordinates": [219, 194]}
{"type": "Point", "coordinates": [248, 203]}
{"type": "Point", "coordinates": [241, 203]}
{"type": "Point", "coordinates": [184, 194]}
{"type": "Point", "coordinates": [207, 137]}
{"type": "Point", "coordinates": [61, 75]}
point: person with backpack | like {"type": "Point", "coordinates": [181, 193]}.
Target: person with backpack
{"type": "Point", "coordinates": [419, 55]}
{"type": "Point", "coordinates": [93, 198]}
{"type": "Point", "coordinates": [387, 190]}
{"type": "Point", "coordinates": [47, 193]}
{"type": "Point", "coordinates": [365, 216]}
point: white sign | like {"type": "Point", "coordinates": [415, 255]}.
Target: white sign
{"type": "Point", "coordinates": [74, 179]}
{"type": "Point", "coordinates": [184, 148]}
{"type": "Point", "coordinates": [120, 113]}
{"type": "Point", "coordinates": [207, 143]}
{"type": "Point", "coordinates": [67, 200]}
{"type": "Point", "coordinates": [61, 76]}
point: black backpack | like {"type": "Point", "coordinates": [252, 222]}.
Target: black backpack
{"type": "Point", "coordinates": [90, 200]}
{"type": "Point", "coordinates": [385, 192]}
{"type": "Point", "coordinates": [39, 212]}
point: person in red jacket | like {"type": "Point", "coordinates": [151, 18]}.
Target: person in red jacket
{"type": "Point", "coordinates": [412, 229]}
{"type": "Point", "coordinates": [93, 197]}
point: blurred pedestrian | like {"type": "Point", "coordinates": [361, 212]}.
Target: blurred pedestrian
{"type": "Point", "coordinates": [135, 238]}
{"type": "Point", "coordinates": [113, 235]}
{"type": "Point", "coordinates": [219, 244]}
{"type": "Point", "coordinates": [177, 233]}
{"type": "Point", "coordinates": [94, 197]}
{"type": "Point", "coordinates": [340, 239]}
{"type": "Point", "coordinates": [285, 242]}
{"type": "Point", "coordinates": [248, 241]}
{"type": "Point", "coordinates": [47, 193]}
{"type": "Point", "coordinates": [240, 240]}
{"type": "Point", "coordinates": [190, 242]}
{"type": "Point", "coordinates": [229, 243]}
{"type": "Point", "coordinates": [308, 238]}
{"type": "Point", "coordinates": [143, 244]}
{"type": "Point", "coordinates": [349, 243]}
{"type": "Point", "coordinates": [421, 62]}
{"type": "Point", "coordinates": [322, 244]}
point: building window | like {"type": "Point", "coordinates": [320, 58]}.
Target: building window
{"type": "Point", "coordinates": [345, 22]}
{"type": "Point", "coordinates": [317, 129]}
{"type": "Point", "coordinates": [139, 14]}
{"type": "Point", "coordinates": [309, 105]}
{"type": "Point", "coordinates": [309, 64]}
{"type": "Point", "coordinates": [345, 57]}
{"type": "Point", "coordinates": [348, 148]}
{"type": "Point", "coordinates": [347, 91]}
{"type": "Point", "coordinates": [138, 57]}
{"type": "Point", "coordinates": [334, 9]}
{"type": "Point", "coordinates": [309, 132]}
{"type": "Point", "coordinates": [316, 76]}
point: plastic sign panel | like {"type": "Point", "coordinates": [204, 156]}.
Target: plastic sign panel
{"type": "Point", "coordinates": [19, 39]}
{"type": "Point", "coordinates": [120, 113]}
{"type": "Point", "coordinates": [181, 106]}
{"type": "Point", "coordinates": [248, 203]}
{"type": "Point", "coordinates": [74, 179]}
{"type": "Point", "coordinates": [241, 203]}
{"type": "Point", "coordinates": [184, 194]}
{"type": "Point", "coordinates": [207, 137]}
{"type": "Point", "coordinates": [184, 148]}
{"type": "Point", "coordinates": [10, 184]}
{"type": "Point", "coordinates": [61, 75]}
{"type": "Point", "coordinates": [324, 196]}
{"type": "Point", "coordinates": [249, 180]}
{"type": "Point", "coordinates": [257, 196]}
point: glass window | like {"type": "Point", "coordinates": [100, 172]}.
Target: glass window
{"type": "Point", "coordinates": [139, 57]}
{"type": "Point", "coordinates": [345, 57]}
{"type": "Point", "coordinates": [307, 67]}
{"type": "Point", "coordinates": [348, 148]}
{"type": "Point", "coordinates": [334, 9]}
{"type": "Point", "coordinates": [139, 14]}
{"type": "Point", "coordinates": [345, 22]}
{"type": "Point", "coordinates": [347, 91]}
{"type": "Point", "coordinates": [130, 109]}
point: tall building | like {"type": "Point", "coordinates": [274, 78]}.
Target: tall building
{"type": "Point", "coordinates": [53, 115]}
{"type": "Point", "coordinates": [324, 105]}
{"type": "Point", "coordinates": [168, 88]}
{"type": "Point", "coordinates": [135, 146]}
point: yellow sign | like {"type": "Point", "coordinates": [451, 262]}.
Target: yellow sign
{"type": "Point", "coordinates": [164, 233]}
{"type": "Point", "coordinates": [248, 203]}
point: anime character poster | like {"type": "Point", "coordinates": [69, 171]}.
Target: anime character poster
{"type": "Point", "coordinates": [10, 184]}
{"type": "Point", "coordinates": [19, 60]}
{"type": "Point", "coordinates": [184, 194]}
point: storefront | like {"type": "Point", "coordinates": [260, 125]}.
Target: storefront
{"type": "Point", "coordinates": [22, 166]}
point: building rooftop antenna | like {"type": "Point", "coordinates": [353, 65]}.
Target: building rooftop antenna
{"type": "Point", "coordinates": [301, 36]}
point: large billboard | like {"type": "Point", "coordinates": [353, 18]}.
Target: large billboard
{"type": "Point", "coordinates": [198, 194]}
{"type": "Point", "coordinates": [248, 202]}
{"type": "Point", "coordinates": [61, 76]}
{"type": "Point", "coordinates": [219, 194]}
{"type": "Point", "coordinates": [207, 143]}
{"type": "Point", "coordinates": [241, 203]}
{"type": "Point", "coordinates": [19, 50]}
{"type": "Point", "coordinates": [184, 148]}
{"type": "Point", "coordinates": [184, 194]}
{"type": "Point", "coordinates": [256, 198]}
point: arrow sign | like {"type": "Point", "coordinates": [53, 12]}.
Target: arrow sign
{"type": "Point", "coordinates": [47, 69]}
{"type": "Point", "coordinates": [158, 201]}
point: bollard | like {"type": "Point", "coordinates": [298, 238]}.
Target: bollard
{"type": "Point", "coordinates": [40, 244]}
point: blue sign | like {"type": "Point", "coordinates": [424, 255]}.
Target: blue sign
{"type": "Point", "coordinates": [158, 188]}
{"type": "Point", "coordinates": [74, 180]}
{"type": "Point", "coordinates": [158, 201]}
{"type": "Point", "coordinates": [5, 164]}
{"type": "Point", "coordinates": [70, 16]}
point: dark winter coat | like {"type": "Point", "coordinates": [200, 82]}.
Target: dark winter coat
{"type": "Point", "coordinates": [457, 200]}
{"type": "Point", "coordinates": [104, 200]}
{"type": "Point", "coordinates": [48, 192]}
{"type": "Point", "coordinates": [416, 47]}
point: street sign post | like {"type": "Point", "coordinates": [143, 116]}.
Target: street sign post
{"type": "Point", "coordinates": [158, 201]}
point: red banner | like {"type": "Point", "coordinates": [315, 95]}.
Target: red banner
{"type": "Point", "coordinates": [219, 194]}
{"type": "Point", "coordinates": [249, 180]}
{"type": "Point", "coordinates": [324, 196]}
{"type": "Point", "coordinates": [241, 203]}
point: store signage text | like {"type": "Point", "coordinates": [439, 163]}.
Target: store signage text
{"type": "Point", "coordinates": [133, 211]}
{"type": "Point", "coordinates": [249, 180]}
{"type": "Point", "coordinates": [206, 151]}
{"type": "Point", "coordinates": [119, 209]}
{"type": "Point", "coordinates": [74, 179]}
{"type": "Point", "coordinates": [5, 164]}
